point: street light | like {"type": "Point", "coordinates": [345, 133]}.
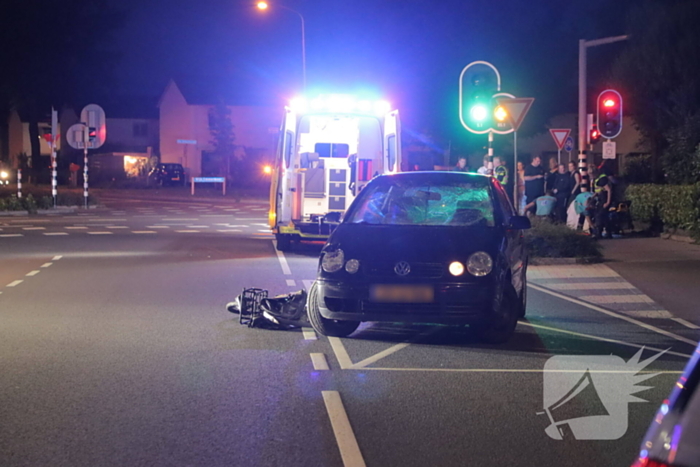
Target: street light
{"type": "Point", "coordinates": [263, 6]}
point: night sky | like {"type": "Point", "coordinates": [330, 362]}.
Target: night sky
{"type": "Point", "coordinates": [409, 51]}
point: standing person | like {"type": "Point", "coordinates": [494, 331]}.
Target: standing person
{"type": "Point", "coordinates": [485, 169]}
{"type": "Point", "coordinates": [602, 189]}
{"type": "Point", "coordinates": [575, 180]}
{"type": "Point", "coordinates": [461, 165]}
{"type": "Point", "coordinates": [553, 167]}
{"type": "Point", "coordinates": [520, 179]}
{"type": "Point", "coordinates": [534, 181]}
{"type": "Point", "coordinates": [500, 171]}
{"type": "Point", "coordinates": [561, 188]}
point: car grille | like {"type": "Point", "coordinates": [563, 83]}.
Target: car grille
{"type": "Point", "coordinates": [445, 309]}
{"type": "Point", "coordinates": [418, 271]}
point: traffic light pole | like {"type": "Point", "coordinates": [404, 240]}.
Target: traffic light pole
{"type": "Point", "coordinates": [583, 46]}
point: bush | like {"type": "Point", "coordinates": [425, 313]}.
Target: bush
{"type": "Point", "coordinates": [676, 206]}
{"type": "Point", "coordinates": [29, 203]}
{"type": "Point", "coordinates": [46, 202]}
{"type": "Point", "coordinates": [13, 203]}
{"type": "Point", "coordinates": [548, 240]}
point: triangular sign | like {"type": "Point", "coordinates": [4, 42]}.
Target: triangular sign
{"type": "Point", "coordinates": [560, 136]}
{"type": "Point", "coordinates": [517, 108]}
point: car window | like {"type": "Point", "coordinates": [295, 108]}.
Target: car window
{"type": "Point", "coordinates": [504, 202]}
{"type": "Point", "coordinates": [425, 202]}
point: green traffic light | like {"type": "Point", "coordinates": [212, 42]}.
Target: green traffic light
{"type": "Point", "coordinates": [479, 112]}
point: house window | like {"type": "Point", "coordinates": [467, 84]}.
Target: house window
{"type": "Point", "coordinates": [140, 130]}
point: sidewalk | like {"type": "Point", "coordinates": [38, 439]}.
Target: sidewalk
{"type": "Point", "coordinates": [183, 194]}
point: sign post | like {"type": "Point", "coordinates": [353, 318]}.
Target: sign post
{"type": "Point", "coordinates": [516, 109]}
{"type": "Point", "coordinates": [221, 180]}
{"type": "Point", "coordinates": [560, 136]}
{"type": "Point", "coordinates": [90, 133]}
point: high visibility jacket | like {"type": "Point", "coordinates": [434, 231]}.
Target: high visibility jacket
{"type": "Point", "coordinates": [501, 174]}
{"type": "Point", "coordinates": [596, 188]}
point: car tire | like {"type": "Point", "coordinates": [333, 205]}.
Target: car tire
{"type": "Point", "coordinates": [284, 242]}
{"type": "Point", "coordinates": [502, 328]}
{"type": "Point", "coordinates": [523, 294]}
{"type": "Point", "coordinates": [323, 326]}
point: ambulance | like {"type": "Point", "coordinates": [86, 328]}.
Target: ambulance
{"type": "Point", "coordinates": [329, 148]}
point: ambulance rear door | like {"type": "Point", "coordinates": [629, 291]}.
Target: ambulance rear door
{"type": "Point", "coordinates": [392, 143]}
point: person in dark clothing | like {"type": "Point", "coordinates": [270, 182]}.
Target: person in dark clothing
{"type": "Point", "coordinates": [561, 188]}
{"type": "Point", "coordinates": [575, 180]}
{"type": "Point", "coordinates": [603, 195]}
{"type": "Point", "coordinates": [534, 181]}
{"type": "Point", "coordinates": [461, 165]}
{"type": "Point", "coordinates": [549, 176]}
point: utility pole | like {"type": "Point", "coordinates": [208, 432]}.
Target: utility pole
{"type": "Point", "coordinates": [583, 46]}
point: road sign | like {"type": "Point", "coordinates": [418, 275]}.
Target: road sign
{"type": "Point", "coordinates": [559, 136]}
{"type": "Point", "coordinates": [94, 118]}
{"type": "Point", "coordinates": [187, 141]}
{"type": "Point", "coordinates": [517, 109]}
{"type": "Point", "coordinates": [76, 136]}
{"type": "Point", "coordinates": [609, 150]}
{"type": "Point", "coordinates": [208, 179]}
{"type": "Point", "coordinates": [569, 144]}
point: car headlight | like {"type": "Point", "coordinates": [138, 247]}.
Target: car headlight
{"type": "Point", "coordinates": [456, 268]}
{"type": "Point", "coordinates": [333, 260]}
{"type": "Point", "coordinates": [4, 174]}
{"type": "Point", "coordinates": [479, 264]}
{"type": "Point", "coordinates": [352, 266]}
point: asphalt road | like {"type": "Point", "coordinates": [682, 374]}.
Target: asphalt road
{"type": "Point", "coordinates": [116, 349]}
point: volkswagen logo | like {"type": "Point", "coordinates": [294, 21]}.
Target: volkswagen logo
{"type": "Point", "coordinates": [402, 268]}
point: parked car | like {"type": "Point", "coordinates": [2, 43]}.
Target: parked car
{"type": "Point", "coordinates": [424, 247]}
{"type": "Point", "coordinates": [673, 437]}
{"type": "Point", "coordinates": [167, 174]}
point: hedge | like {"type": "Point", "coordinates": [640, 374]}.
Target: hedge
{"type": "Point", "coordinates": [548, 240]}
{"type": "Point", "coordinates": [676, 206]}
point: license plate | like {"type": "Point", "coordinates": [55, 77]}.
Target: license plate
{"type": "Point", "coordinates": [402, 293]}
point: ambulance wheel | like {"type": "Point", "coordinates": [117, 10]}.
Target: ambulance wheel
{"type": "Point", "coordinates": [284, 242]}
{"type": "Point", "coordinates": [323, 326]}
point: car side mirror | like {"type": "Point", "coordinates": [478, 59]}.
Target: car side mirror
{"type": "Point", "coordinates": [519, 223]}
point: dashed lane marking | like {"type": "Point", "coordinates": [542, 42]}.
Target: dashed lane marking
{"type": "Point", "coordinates": [282, 260]}
{"type": "Point", "coordinates": [344, 436]}
{"type": "Point", "coordinates": [197, 226]}
{"type": "Point", "coordinates": [46, 265]}
{"type": "Point", "coordinates": [309, 334]}
{"type": "Point", "coordinates": [99, 233]}
{"type": "Point", "coordinates": [14, 283]}
{"type": "Point", "coordinates": [33, 273]}
{"type": "Point", "coordinates": [291, 283]}
{"type": "Point", "coordinates": [143, 231]}
{"type": "Point", "coordinates": [228, 231]}
{"type": "Point", "coordinates": [187, 231]}
{"type": "Point", "coordinates": [77, 227]}
{"type": "Point", "coordinates": [319, 361]}
{"type": "Point", "coordinates": [54, 234]}
{"type": "Point", "coordinates": [11, 235]}
{"type": "Point", "coordinates": [157, 226]}
{"type": "Point", "coordinates": [628, 298]}
{"type": "Point", "coordinates": [117, 227]}
{"type": "Point", "coordinates": [34, 228]}
{"type": "Point", "coordinates": [56, 258]}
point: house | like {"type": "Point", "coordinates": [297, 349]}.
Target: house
{"type": "Point", "coordinates": [18, 141]}
{"type": "Point", "coordinates": [185, 136]}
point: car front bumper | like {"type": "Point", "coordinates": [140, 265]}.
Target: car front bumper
{"type": "Point", "coordinates": [453, 303]}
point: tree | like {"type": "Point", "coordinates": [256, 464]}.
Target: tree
{"type": "Point", "coordinates": [223, 139]}
{"type": "Point", "coordinates": [660, 79]}
{"type": "Point", "coordinates": [52, 52]}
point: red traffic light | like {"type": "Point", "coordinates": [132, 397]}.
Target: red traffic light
{"type": "Point", "coordinates": [594, 136]}
{"type": "Point", "coordinates": [609, 113]}
{"type": "Point", "coordinates": [609, 103]}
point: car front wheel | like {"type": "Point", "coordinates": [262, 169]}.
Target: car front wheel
{"type": "Point", "coordinates": [326, 327]}
{"type": "Point", "coordinates": [502, 326]}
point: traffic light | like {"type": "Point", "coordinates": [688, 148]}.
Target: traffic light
{"type": "Point", "coordinates": [594, 135]}
{"type": "Point", "coordinates": [92, 134]}
{"type": "Point", "coordinates": [479, 81]}
{"type": "Point", "coordinates": [610, 113]}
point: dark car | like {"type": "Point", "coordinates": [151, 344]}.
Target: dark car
{"type": "Point", "coordinates": [167, 174]}
{"type": "Point", "coordinates": [424, 247]}
{"type": "Point", "coordinates": [672, 437]}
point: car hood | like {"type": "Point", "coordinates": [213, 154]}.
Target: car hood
{"type": "Point", "coordinates": [413, 243]}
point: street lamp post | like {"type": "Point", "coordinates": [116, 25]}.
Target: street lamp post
{"type": "Point", "coordinates": [262, 5]}
{"type": "Point", "coordinates": [583, 46]}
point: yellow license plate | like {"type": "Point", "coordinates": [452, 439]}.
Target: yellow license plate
{"type": "Point", "coordinates": [402, 293]}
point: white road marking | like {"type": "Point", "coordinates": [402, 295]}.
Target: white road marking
{"type": "Point", "coordinates": [157, 226]}
{"type": "Point", "coordinates": [319, 361]}
{"type": "Point", "coordinates": [143, 231]}
{"type": "Point", "coordinates": [614, 314]}
{"type": "Point", "coordinates": [117, 227]}
{"type": "Point", "coordinates": [11, 235]}
{"type": "Point", "coordinates": [46, 265]}
{"type": "Point", "coordinates": [308, 283]}
{"type": "Point", "coordinates": [178, 219]}
{"type": "Point", "coordinates": [602, 299]}
{"type": "Point", "coordinates": [393, 349]}
{"type": "Point", "coordinates": [14, 283]}
{"type": "Point", "coordinates": [99, 233]}
{"type": "Point", "coordinates": [197, 226]}
{"type": "Point", "coordinates": [56, 258]}
{"type": "Point", "coordinates": [649, 314]}
{"type": "Point", "coordinates": [78, 227]}
{"type": "Point", "coordinates": [34, 228]}
{"type": "Point", "coordinates": [592, 286]}
{"type": "Point", "coordinates": [111, 220]}
{"type": "Point", "coordinates": [309, 334]}
{"type": "Point", "coordinates": [604, 339]}
{"type": "Point", "coordinates": [344, 436]}
{"type": "Point", "coordinates": [33, 273]}
{"type": "Point", "coordinates": [340, 353]}
{"type": "Point", "coordinates": [291, 283]}
{"type": "Point", "coordinates": [520, 370]}
{"type": "Point", "coordinates": [282, 259]}
{"type": "Point", "coordinates": [236, 225]}
{"type": "Point", "coordinates": [228, 231]}
{"type": "Point", "coordinates": [187, 231]}
{"type": "Point", "coordinates": [685, 323]}
{"type": "Point", "coordinates": [264, 230]}
{"type": "Point", "coordinates": [566, 272]}
{"type": "Point", "coordinates": [53, 234]}
{"type": "Point", "coordinates": [215, 215]}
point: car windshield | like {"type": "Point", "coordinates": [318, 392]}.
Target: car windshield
{"type": "Point", "coordinates": [425, 201]}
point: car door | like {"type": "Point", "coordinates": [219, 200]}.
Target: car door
{"type": "Point", "coordinates": [514, 247]}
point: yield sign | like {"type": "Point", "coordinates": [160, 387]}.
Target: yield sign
{"type": "Point", "coordinates": [517, 109]}
{"type": "Point", "coordinates": [560, 136]}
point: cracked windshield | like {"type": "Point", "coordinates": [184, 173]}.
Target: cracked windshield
{"type": "Point", "coordinates": [347, 234]}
